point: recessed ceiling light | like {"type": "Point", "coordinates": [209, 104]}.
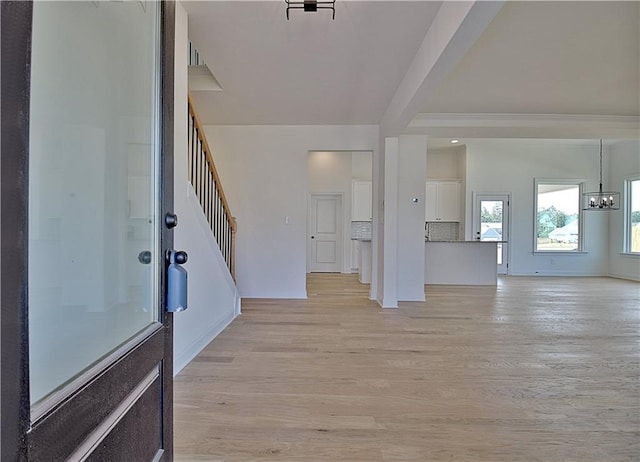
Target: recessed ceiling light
{"type": "Point", "coordinates": [454, 141]}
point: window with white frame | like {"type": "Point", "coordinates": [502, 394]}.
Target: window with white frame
{"type": "Point", "coordinates": [558, 220]}
{"type": "Point", "coordinates": [632, 214]}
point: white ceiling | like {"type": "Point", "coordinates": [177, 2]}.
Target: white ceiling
{"type": "Point", "coordinates": [550, 58]}
{"type": "Point", "coordinates": [310, 69]}
{"type": "Point", "coordinates": [576, 57]}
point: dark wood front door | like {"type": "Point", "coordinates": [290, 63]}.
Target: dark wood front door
{"type": "Point", "coordinates": [87, 180]}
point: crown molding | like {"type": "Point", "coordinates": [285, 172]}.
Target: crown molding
{"type": "Point", "coordinates": [521, 120]}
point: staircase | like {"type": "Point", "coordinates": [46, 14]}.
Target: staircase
{"type": "Point", "coordinates": [206, 183]}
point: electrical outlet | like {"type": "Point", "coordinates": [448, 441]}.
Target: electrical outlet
{"type": "Point", "coordinates": [553, 261]}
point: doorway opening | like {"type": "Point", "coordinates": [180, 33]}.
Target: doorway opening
{"type": "Point", "coordinates": [348, 175]}
{"type": "Point", "coordinates": [491, 223]}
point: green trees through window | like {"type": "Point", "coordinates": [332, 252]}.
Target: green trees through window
{"type": "Point", "coordinates": [557, 216]}
{"type": "Point", "coordinates": [632, 212]}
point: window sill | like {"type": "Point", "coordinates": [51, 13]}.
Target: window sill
{"type": "Point", "coordinates": [630, 254]}
{"type": "Point", "coordinates": [560, 252]}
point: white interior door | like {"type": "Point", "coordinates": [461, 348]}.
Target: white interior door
{"type": "Point", "coordinates": [325, 233]}
{"type": "Point", "coordinates": [491, 223]}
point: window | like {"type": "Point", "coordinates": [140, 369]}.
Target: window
{"type": "Point", "coordinates": [558, 223]}
{"type": "Point", "coordinates": [632, 214]}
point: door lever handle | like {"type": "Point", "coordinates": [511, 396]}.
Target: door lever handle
{"type": "Point", "coordinates": [176, 281]}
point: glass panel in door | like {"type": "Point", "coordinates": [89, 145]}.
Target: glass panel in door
{"type": "Point", "coordinates": [93, 194]}
{"type": "Point", "coordinates": [491, 224]}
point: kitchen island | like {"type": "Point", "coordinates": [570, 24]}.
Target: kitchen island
{"type": "Point", "coordinates": [461, 262]}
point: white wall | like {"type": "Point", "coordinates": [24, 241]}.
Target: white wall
{"type": "Point", "coordinates": [213, 300]}
{"type": "Point", "coordinates": [264, 172]}
{"type": "Point", "coordinates": [444, 163]}
{"type": "Point", "coordinates": [511, 166]}
{"type": "Point", "coordinates": [330, 172]}
{"type": "Point", "coordinates": [361, 165]}
{"type": "Point", "coordinates": [624, 162]}
{"type": "Point", "coordinates": [412, 166]}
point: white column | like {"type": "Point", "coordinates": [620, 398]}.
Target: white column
{"type": "Point", "coordinates": [412, 172]}
{"type": "Point", "coordinates": [377, 187]}
{"type": "Point", "coordinates": [390, 224]}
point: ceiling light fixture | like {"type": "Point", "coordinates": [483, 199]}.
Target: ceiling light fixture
{"type": "Point", "coordinates": [311, 6]}
{"type": "Point", "coordinates": [601, 200]}
{"type": "Point", "coordinates": [455, 141]}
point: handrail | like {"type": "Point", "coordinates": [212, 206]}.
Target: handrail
{"type": "Point", "coordinates": [205, 180]}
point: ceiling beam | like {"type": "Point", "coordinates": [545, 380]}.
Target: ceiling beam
{"type": "Point", "coordinates": [455, 29]}
{"type": "Point", "coordinates": [552, 126]}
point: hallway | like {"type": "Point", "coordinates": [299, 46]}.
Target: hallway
{"type": "Point", "coordinates": [537, 369]}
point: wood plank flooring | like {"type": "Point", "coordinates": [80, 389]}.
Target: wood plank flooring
{"type": "Point", "coordinates": [535, 369]}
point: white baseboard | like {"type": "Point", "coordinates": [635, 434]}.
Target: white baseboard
{"type": "Point", "coordinates": [559, 274]}
{"type": "Point", "coordinates": [388, 303]}
{"type": "Point", "coordinates": [185, 357]}
{"type": "Point", "coordinates": [238, 304]}
{"type": "Point", "coordinates": [626, 277]}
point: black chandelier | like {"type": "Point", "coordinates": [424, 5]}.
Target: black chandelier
{"type": "Point", "coordinates": [311, 6]}
{"type": "Point", "coordinates": [601, 200]}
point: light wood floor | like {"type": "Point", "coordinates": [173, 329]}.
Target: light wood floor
{"type": "Point", "coordinates": [537, 369]}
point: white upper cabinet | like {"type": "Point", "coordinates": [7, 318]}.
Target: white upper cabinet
{"type": "Point", "coordinates": [442, 201]}
{"type": "Point", "coordinates": [431, 201]}
{"type": "Point", "coordinates": [361, 201]}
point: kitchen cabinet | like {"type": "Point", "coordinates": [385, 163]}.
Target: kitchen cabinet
{"type": "Point", "coordinates": [442, 201]}
{"type": "Point", "coordinates": [361, 196]}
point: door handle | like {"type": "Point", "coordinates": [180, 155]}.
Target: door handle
{"type": "Point", "coordinates": [313, 237]}
{"type": "Point", "coordinates": [176, 281]}
{"type": "Point", "coordinates": [144, 257]}
{"type": "Point", "coordinates": [171, 220]}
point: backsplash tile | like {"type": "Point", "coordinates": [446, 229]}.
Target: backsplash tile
{"type": "Point", "coordinates": [441, 231]}
{"type": "Point", "coordinates": [360, 230]}
{"type": "Point", "coordinates": [434, 231]}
